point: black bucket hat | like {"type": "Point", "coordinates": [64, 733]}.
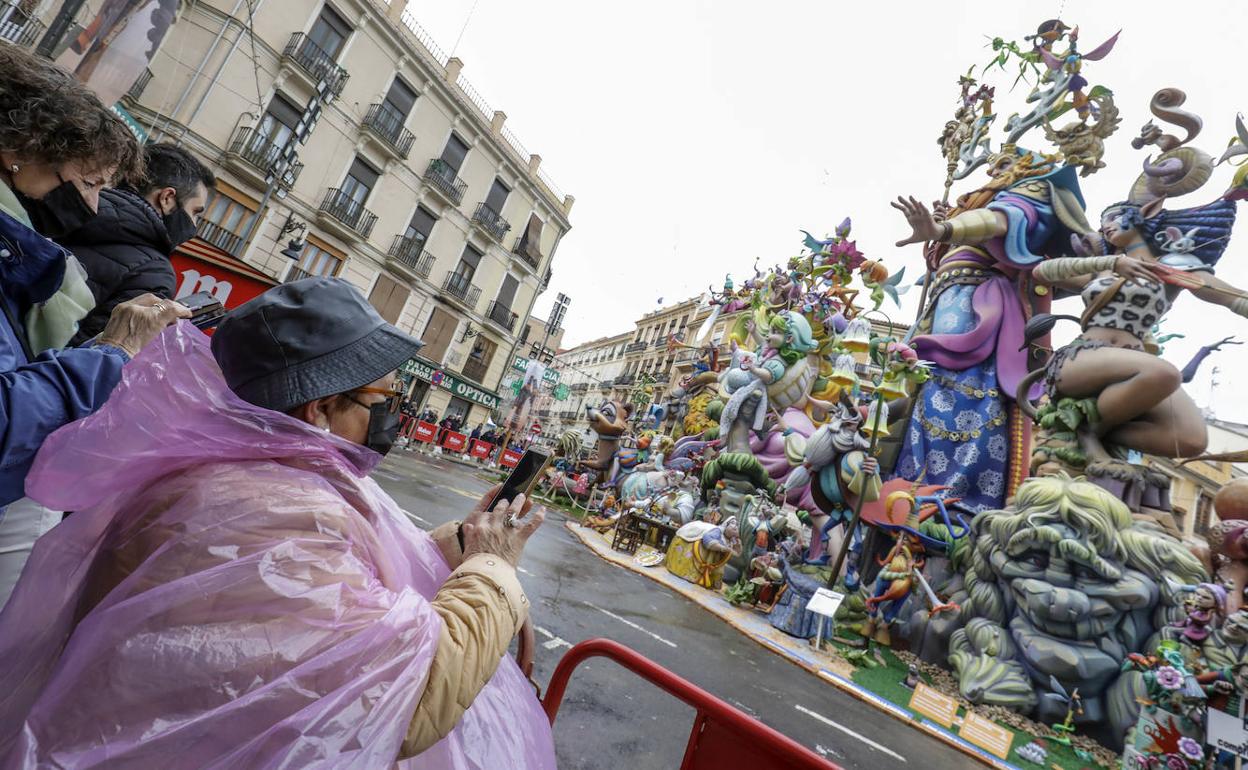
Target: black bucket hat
{"type": "Point", "coordinates": [306, 340]}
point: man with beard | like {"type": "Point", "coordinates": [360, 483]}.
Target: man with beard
{"type": "Point", "coordinates": [125, 249]}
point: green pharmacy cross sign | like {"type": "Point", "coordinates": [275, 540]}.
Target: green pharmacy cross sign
{"type": "Point", "coordinates": [561, 392]}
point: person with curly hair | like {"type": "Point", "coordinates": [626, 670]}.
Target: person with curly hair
{"type": "Point", "coordinates": [59, 146]}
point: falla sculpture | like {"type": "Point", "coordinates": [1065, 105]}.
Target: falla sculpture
{"type": "Point", "coordinates": [1051, 584]}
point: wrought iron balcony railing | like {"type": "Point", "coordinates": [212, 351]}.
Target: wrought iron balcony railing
{"type": "Point", "coordinates": [633, 347]}
{"type": "Point", "coordinates": [460, 286]}
{"type": "Point", "coordinates": [18, 27]}
{"type": "Point", "coordinates": [229, 242]}
{"type": "Point", "coordinates": [502, 315]}
{"type": "Point", "coordinates": [348, 211]}
{"type": "Point", "coordinates": [409, 251]}
{"type": "Point", "coordinates": [139, 84]}
{"type": "Point", "coordinates": [387, 123]}
{"type": "Point", "coordinates": [491, 221]}
{"type": "Point", "coordinates": [519, 250]}
{"type": "Point", "coordinates": [298, 273]}
{"type": "Point", "coordinates": [442, 177]}
{"type": "Point", "coordinates": [261, 153]}
{"type": "Point", "coordinates": [315, 61]}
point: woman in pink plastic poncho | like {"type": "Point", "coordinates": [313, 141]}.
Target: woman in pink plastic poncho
{"type": "Point", "coordinates": [233, 591]}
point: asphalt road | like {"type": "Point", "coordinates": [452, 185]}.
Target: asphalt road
{"type": "Point", "coordinates": [610, 719]}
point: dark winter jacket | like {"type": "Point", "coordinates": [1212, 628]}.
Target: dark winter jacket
{"type": "Point", "coordinates": [39, 393]}
{"type": "Point", "coordinates": [125, 251]}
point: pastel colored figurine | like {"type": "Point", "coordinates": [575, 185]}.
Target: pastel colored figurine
{"type": "Point", "coordinates": [700, 550]}
{"type": "Point", "coordinates": [1208, 607]}
{"type": "Point", "coordinates": [1131, 273]}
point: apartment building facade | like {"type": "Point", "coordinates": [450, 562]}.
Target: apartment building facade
{"type": "Point", "coordinates": [591, 371]}
{"type": "Point", "coordinates": [403, 181]}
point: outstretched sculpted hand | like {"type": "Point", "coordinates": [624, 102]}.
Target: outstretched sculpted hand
{"type": "Point", "coordinates": [923, 225]}
{"type": "Point", "coordinates": [1220, 343]}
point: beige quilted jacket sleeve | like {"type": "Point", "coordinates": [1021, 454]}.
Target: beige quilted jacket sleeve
{"type": "Point", "coordinates": [482, 607]}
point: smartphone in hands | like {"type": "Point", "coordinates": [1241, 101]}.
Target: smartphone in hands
{"type": "Point", "coordinates": [206, 310]}
{"type": "Point", "coordinates": [523, 477]}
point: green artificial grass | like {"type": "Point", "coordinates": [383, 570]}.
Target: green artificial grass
{"type": "Point", "coordinates": [562, 505]}
{"type": "Point", "coordinates": [886, 682]}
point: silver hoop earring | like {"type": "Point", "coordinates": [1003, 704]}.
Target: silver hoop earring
{"type": "Point", "coordinates": [14, 168]}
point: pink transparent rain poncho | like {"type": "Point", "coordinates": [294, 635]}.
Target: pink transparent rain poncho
{"type": "Point", "coordinates": [265, 604]}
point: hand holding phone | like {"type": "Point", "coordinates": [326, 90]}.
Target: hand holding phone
{"type": "Point", "coordinates": [500, 529]}
{"type": "Point", "coordinates": [523, 477]}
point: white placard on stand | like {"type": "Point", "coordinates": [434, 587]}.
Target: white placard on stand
{"type": "Point", "coordinates": [824, 603]}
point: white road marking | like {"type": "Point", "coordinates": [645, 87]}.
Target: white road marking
{"type": "Point", "coordinates": [414, 517]}
{"type": "Point", "coordinates": [631, 624]}
{"type": "Point", "coordinates": [849, 732]}
{"type": "Point", "coordinates": [554, 642]}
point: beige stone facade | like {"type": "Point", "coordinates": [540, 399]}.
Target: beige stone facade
{"type": "Point", "coordinates": [1194, 484]}
{"type": "Point", "coordinates": [409, 185]}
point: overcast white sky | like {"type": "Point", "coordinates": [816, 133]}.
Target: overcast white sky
{"type": "Point", "coordinates": [697, 136]}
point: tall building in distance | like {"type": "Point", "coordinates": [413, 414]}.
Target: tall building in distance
{"type": "Point", "coordinates": [402, 179]}
{"type": "Point", "coordinates": [592, 373]}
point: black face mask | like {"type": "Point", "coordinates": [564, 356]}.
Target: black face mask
{"type": "Point", "coordinates": [179, 225]}
{"type": "Point", "coordinates": [383, 428]}
{"type": "Point", "coordinates": [58, 213]}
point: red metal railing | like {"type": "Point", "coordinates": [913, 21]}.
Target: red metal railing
{"type": "Point", "coordinates": [722, 736]}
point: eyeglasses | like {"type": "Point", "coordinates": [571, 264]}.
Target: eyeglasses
{"type": "Point", "coordinates": [394, 397]}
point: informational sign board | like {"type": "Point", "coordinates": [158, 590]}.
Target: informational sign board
{"type": "Point", "coordinates": [454, 441]}
{"type": "Point", "coordinates": [480, 449]}
{"type": "Point", "coordinates": [986, 734]}
{"type": "Point", "coordinates": [934, 705]}
{"type": "Point", "coordinates": [510, 458]}
{"type": "Point", "coordinates": [1226, 731]}
{"type": "Point", "coordinates": [824, 603]}
{"type": "Point", "coordinates": [425, 431]}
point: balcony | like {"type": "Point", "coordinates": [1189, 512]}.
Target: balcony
{"type": "Point", "coordinates": [409, 254]}
{"type": "Point", "coordinates": [491, 222]}
{"type": "Point", "coordinates": [502, 316]}
{"type": "Point", "coordinates": [254, 157]}
{"type": "Point", "coordinates": [625, 379]}
{"type": "Point", "coordinates": [607, 384]}
{"type": "Point", "coordinates": [345, 215]}
{"type": "Point", "coordinates": [518, 248]}
{"type": "Point", "coordinates": [140, 83]}
{"type": "Point", "coordinates": [661, 342]}
{"type": "Point", "coordinates": [17, 27]}
{"type": "Point", "coordinates": [580, 387]}
{"type": "Point", "coordinates": [385, 124]}
{"type": "Point", "coordinates": [298, 274]}
{"type": "Point", "coordinates": [313, 64]}
{"type": "Point", "coordinates": [229, 242]}
{"type": "Point", "coordinates": [633, 347]}
{"type": "Point", "coordinates": [459, 288]}
{"type": "Point", "coordinates": [441, 177]}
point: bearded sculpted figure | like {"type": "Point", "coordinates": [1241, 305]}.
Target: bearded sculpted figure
{"type": "Point", "coordinates": [1063, 585]}
{"type": "Point", "coordinates": [1228, 645]}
